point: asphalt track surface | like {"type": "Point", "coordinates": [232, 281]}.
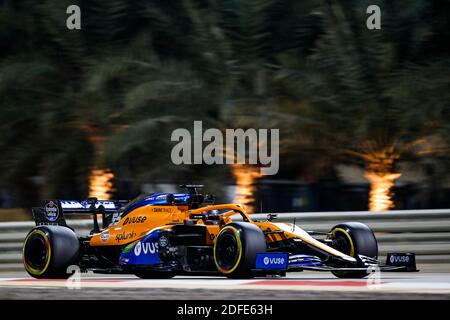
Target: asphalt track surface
{"type": "Point", "coordinates": [301, 285]}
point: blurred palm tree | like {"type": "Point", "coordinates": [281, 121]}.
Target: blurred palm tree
{"type": "Point", "coordinates": [108, 96]}
{"type": "Point", "coordinates": [356, 92]}
{"type": "Point", "coordinates": [54, 124]}
{"type": "Point", "coordinates": [223, 57]}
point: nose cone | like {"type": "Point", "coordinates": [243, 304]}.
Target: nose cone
{"type": "Point", "coordinates": [348, 258]}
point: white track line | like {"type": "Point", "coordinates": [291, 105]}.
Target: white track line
{"type": "Point", "coordinates": [226, 284]}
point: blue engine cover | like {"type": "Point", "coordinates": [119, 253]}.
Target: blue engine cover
{"type": "Point", "coordinates": [159, 199]}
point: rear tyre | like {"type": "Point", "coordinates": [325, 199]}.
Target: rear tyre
{"type": "Point", "coordinates": [154, 275]}
{"type": "Point", "coordinates": [236, 247]}
{"type": "Point", "coordinates": [354, 238]}
{"type": "Point", "coordinates": [49, 250]}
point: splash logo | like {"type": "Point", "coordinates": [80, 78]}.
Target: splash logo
{"type": "Point", "coordinates": [125, 236]}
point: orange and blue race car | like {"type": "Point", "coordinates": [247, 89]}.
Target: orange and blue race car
{"type": "Point", "coordinates": [162, 235]}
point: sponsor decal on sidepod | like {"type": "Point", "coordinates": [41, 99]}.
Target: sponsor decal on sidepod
{"type": "Point", "coordinates": [125, 236]}
{"type": "Point", "coordinates": [145, 248]}
{"type": "Point", "coordinates": [142, 252]}
{"type": "Point", "coordinates": [139, 219]}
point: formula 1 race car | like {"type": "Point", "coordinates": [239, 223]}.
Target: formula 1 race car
{"type": "Point", "coordinates": [163, 234]}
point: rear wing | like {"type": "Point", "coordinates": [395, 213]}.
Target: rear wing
{"type": "Point", "coordinates": [53, 212]}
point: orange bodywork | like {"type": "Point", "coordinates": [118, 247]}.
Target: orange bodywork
{"type": "Point", "coordinates": [144, 220]}
{"type": "Point", "coordinates": [138, 223]}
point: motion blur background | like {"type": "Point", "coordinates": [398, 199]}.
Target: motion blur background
{"type": "Point", "coordinates": [363, 114]}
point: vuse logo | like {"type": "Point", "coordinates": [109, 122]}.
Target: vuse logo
{"type": "Point", "coordinates": [145, 248]}
{"type": "Point", "coordinates": [268, 261]}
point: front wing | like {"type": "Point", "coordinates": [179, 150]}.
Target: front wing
{"type": "Point", "coordinates": [400, 262]}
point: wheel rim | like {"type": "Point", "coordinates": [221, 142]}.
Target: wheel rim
{"type": "Point", "coordinates": [343, 242]}
{"type": "Point", "coordinates": [37, 252]}
{"type": "Point", "coordinates": [227, 250]}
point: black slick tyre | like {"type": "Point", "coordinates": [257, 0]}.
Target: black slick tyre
{"type": "Point", "coordinates": [48, 251]}
{"type": "Point", "coordinates": [236, 247]}
{"type": "Point", "coordinates": [353, 239]}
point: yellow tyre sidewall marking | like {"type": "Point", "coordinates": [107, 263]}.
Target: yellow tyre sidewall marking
{"type": "Point", "coordinates": [239, 243]}
{"type": "Point", "coordinates": [49, 255]}
{"type": "Point", "coordinates": [352, 247]}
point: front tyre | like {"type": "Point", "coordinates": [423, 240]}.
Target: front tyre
{"type": "Point", "coordinates": [236, 247]}
{"type": "Point", "coordinates": [49, 250]}
{"type": "Point", "coordinates": [353, 239]}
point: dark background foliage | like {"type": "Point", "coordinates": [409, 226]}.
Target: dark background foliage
{"type": "Point", "coordinates": [110, 94]}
